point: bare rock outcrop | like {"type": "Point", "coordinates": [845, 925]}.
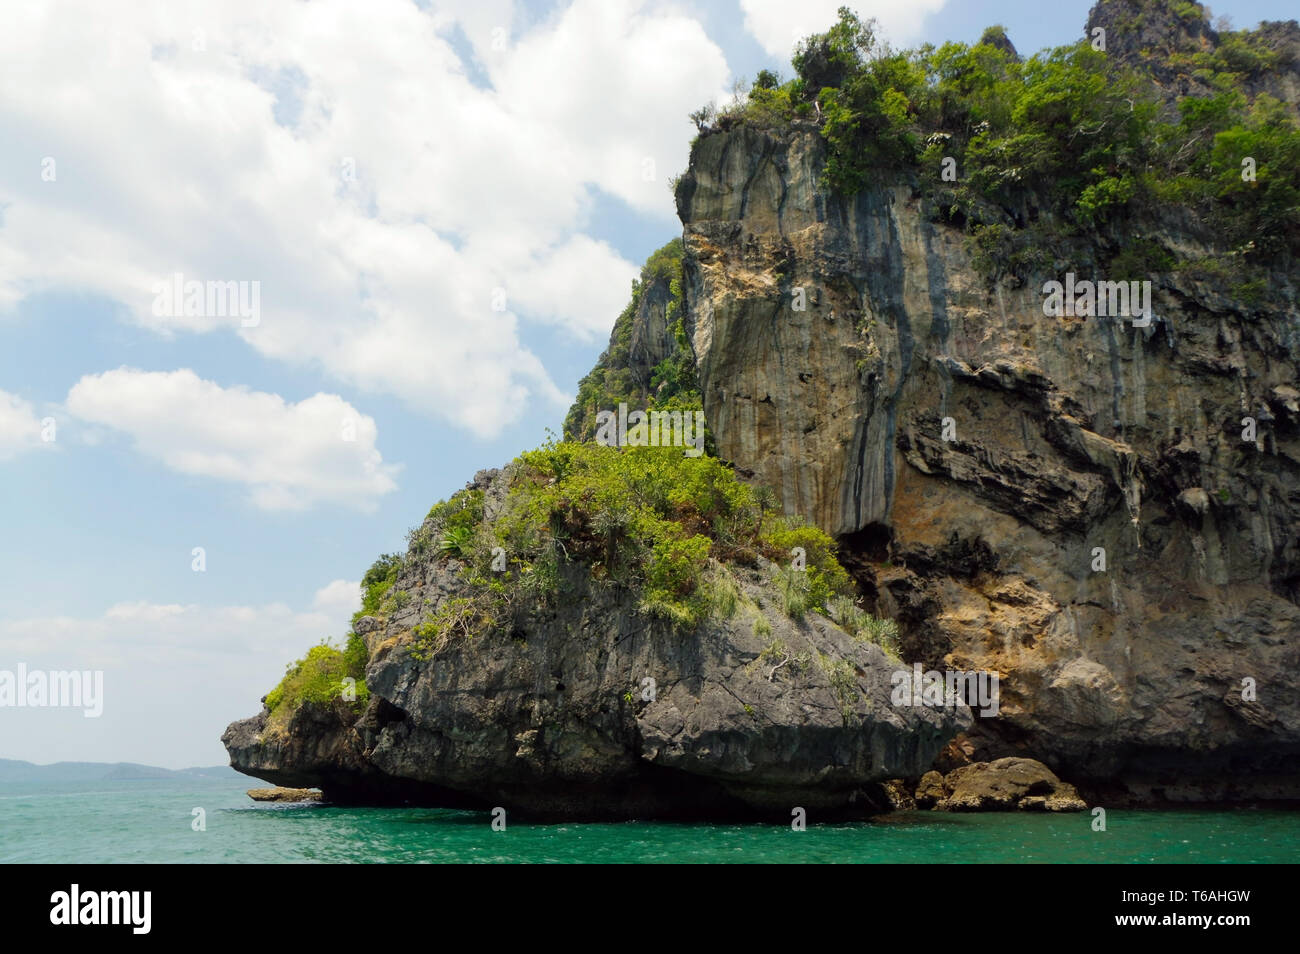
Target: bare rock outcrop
{"type": "Point", "coordinates": [590, 710]}
{"type": "Point", "coordinates": [1003, 785]}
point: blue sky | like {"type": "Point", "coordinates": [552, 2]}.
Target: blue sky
{"type": "Point", "coordinates": [492, 146]}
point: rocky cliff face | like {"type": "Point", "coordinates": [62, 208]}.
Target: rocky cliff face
{"type": "Point", "coordinates": [591, 710]}
{"type": "Point", "coordinates": [1160, 38]}
{"type": "Point", "coordinates": [1064, 437]}
{"type": "Point", "coordinates": [643, 338]}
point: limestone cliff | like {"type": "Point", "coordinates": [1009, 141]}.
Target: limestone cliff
{"type": "Point", "coordinates": [1066, 437]}
{"type": "Point", "coordinates": [836, 335]}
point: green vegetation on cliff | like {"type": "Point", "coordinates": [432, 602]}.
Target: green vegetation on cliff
{"type": "Point", "coordinates": [1050, 147]}
{"type": "Point", "coordinates": [320, 678]}
{"type": "Point", "coordinates": [376, 584]}
{"type": "Point", "coordinates": [620, 375]}
{"type": "Point", "coordinates": [650, 519]}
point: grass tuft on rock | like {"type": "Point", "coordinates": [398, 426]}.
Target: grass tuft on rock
{"type": "Point", "coordinates": [320, 678]}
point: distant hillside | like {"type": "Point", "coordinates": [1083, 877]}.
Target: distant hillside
{"type": "Point", "coordinates": [12, 770]}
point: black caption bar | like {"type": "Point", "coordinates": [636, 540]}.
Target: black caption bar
{"type": "Point", "coordinates": [276, 904]}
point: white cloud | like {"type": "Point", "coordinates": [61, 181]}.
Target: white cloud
{"type": "Point", "coordinates": [289, 456]}
{"type": "Point", "coordinates": [177, 163]}
{"type": "Point", "coordinates": [338, 598]}
{"type": "Point", "coordinates": [619, 81]}
{"type": "Point", "coordinates": [568, 287]}
{"type": "Point", "coordinates": [173, 676]}
{"type": "Point", "coordinates": [20, 429]}
{"type": "Point", "coordinates": [779, 24]}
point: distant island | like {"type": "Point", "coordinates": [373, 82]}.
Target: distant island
{"type": "Point", "coordinates": [14, 770]}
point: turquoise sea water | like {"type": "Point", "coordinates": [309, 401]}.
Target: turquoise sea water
{"type": "Point", "coordinates": [150, 821]}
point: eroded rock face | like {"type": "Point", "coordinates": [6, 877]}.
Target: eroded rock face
{"type": "Point", "coordinates": [1066, 437]}
{"type": "Point", "coordinates": [750, 716]}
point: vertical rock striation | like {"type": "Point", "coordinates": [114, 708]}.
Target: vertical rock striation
{"type": "Point", "coordinates": [1071, 434]}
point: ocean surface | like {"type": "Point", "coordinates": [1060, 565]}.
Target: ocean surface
{"type": "Point", "coordinates": [152, 821]}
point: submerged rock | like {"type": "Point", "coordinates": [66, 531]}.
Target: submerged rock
{"type": "Point", "coordinates": [279, 794]}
